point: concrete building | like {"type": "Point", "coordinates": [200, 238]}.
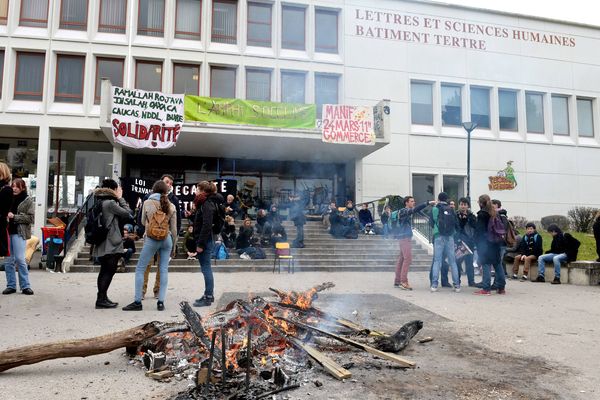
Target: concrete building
{"type": "Point", "coordinates": [531, 84]}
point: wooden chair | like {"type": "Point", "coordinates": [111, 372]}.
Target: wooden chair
{"type": "Point", "coordinates": [283, 252]}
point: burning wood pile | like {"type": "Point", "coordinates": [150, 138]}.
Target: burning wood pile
{"type": "Point", "coordinates": [251, 349]}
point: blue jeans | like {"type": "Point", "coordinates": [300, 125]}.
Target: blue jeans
{"type": "Point", "coordinates": [127, 255]}
{"type": "Point", "coordinates": [555, 258]}
{"type": "Point", "coordinates": [470, 271]}
{"type": "Point", "coordinates": [151, 246]}
{"type": "Point", "coordinates": [499, 278]}
{"type": "Point", "coordinates": [443, 247]}
{"type": "Point", "coordinates": [444, 273]}
{"type": "Point", "coordinates": [17, 259]}
{"type": "Point", "coordinates": [205, 267]}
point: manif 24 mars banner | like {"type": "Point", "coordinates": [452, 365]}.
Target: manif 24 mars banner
{"type": "Point", "coordinates": [142, 119]}
{"type": "Point", "coordinates": [347, 124]}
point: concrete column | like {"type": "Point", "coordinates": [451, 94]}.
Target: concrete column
{"type": "Point", "coordinates": [43, 168]}
{"type": "Point", "coordinates": [117, 162]}
{"type": "Point", "coordinates": [358, 181]}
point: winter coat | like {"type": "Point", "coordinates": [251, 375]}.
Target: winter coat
{"type": "Point", "coordinates": [404, 217]}
{"type": "Point", "coordinates": [297, 214]}
{"type": "Point", "coordinates": [531, 245]}
{"type": "Point", "coordinates": [559, 244]}
{"type": "Point", "coordinates": [596, 229]}
{"type": "Point", "coordinates": [488, 252]}
{"type": "Point", "coordinates": [151, 206]}
{"type": "Point", "coordinates": [113, 209]}
{"type": "Point", "coordinates": [24, 217]}
{"type": "Point", "coordinates": [203, 221]}
{"type": "Point", "coordinates": [173, 199]}
{"type": "Point", "coordinates": [244, 236]}
{"type": "Point", "coordinates": [365, 217]}
{"type": "Point", "coordinates": [466, 227]}
{"type": "Point", "coordinates": [228, 235]}
{"type": "Point", "coordinates": [6, 199]}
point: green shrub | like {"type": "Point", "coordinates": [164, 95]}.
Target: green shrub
{"type": "Point", "coordinates": [582, 218]}
{"type": "Point", "coordinates": [560, 220]}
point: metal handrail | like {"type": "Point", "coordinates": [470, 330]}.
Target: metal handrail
{"type": "Point", "coordinates": [72, 229]}
{"type": "Point", "coordinates": [422, 223]}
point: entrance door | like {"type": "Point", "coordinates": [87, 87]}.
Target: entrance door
{"type": "Point", "coordinates": [454, 186]}
{"type": "Point", "coordinates": [423, 187]}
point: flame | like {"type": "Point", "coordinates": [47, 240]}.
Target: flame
{"type": "Point", "coordinates": [263, 361]}
{"type": "Point", "coordinates": [301, 300]}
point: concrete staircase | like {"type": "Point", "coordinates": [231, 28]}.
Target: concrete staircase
{"type": "Point", "coordinates": [322, 253]}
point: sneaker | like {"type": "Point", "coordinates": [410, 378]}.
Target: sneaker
{"type": "Point", "coordinates": [457, 288]}
{"type": "Point", "coordinates": [433, 289]}
{"type": "Point", "coordinates": [405, 286]}
{"type": "Point", "coordinates": [446, 285]}
{"type": "Point", "coordinates": [135, 306]}
{"type": "Point", "coordinates": [556, 281]}
{"type": "Point", "coordinates": [524, 278]}
{"type": "Point", "coordinates": [396, 285]}
{"type": "Point", "coordinates": [501, 291]}
{"type": "Point", "coordinates": [515, 277]}
{"type": "Point", "coordinates": [482, 292]}
{"type": "Point", "coordinates": [204, 301]}
{"type": "Point", "coordinates": [244, 256]}
{"type": "Point", "coordinates": [540, 278]}
{"type": "Point", "coordinates": [160, 306]}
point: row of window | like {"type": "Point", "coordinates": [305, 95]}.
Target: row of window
{"type": "Point", "coordinates": [188, 21]}
{"type": "Point", "coordinates": [70, 72]}
{"type": "Point", "coordinates": [422, 108]}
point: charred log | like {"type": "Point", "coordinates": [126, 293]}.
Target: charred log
{"type": "Point", "coordinates": [400, 339]}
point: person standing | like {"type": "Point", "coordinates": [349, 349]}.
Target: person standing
{"type": "Point", "coordinates": [404, 233]}
{"type": "Point", "coordinates": [20, 218]}
{"type": "Point", "coordinates": [466, 233]}
{"type": "Point", "coordinates": [488, 251]}
{"type": "Point", "coordinates": [114, 208]}
{"type": "Point", "coordinates": [596, 229]}
{"type": "Point", "coordinates": [444, 227]}
{"type": "Point", "coordinates": [299, 219]}
{"type": "Point", "coordinates": [207, 202]}
{"type": "Point", "coordinates": [6, 199]}
{"type": "Point", "coordinates": [160, 225]}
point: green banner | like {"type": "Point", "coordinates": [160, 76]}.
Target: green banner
{"type": "Point", "coordinates": [248, 112]}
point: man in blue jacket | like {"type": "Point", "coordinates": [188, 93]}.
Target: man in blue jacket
{"type": "Point", "coordinates": [404, 234]}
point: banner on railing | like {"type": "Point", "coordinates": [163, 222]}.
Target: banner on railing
{"type": "Point", "coordinates": [142, 119]}
{"type": "Point", "coordinates": [347, 124]}
{"type": "Point", "coordinates": [249, 112]}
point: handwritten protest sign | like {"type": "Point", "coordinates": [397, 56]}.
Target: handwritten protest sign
{"type": "Point", "coordinates": [142, 119]}
{"type": "Point", "coordinates": [347, 124]}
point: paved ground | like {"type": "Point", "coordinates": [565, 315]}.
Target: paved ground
{"type": "Point", "coordinates": [557, 325]}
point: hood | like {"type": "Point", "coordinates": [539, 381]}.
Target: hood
{"type": "Point", "coordinates": [502, 211]}
{"type": "Point", "coordinates": [105, 193]}
{"type": "Point", "coordinates": [154, 196]}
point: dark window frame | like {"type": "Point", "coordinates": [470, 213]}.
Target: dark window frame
{"type": "Point", "coordinates": [195, 34]}
{"type": "Point", "coordinates": [516, 94]}
{"type": "Point", "coordinates": [542, 95]}
{"type": "Point", "coordinates": [84, 24]}
{"type": "Point", "coordinates": [258, 69]}
{"type": "Point", "coordinates": [212, 27]}
{"type": "Point", "coordinates": [335, 49]}
{"type": "Point", "coordinates": [69, 95]}
{"type": "Point", "coordinates": [4, 20]}
{"type": "Point", "coordinates": [268, 43]}
{"type": "Point", "coordinates": [41, 93]}
{"type": "Point", "coordinates": [150, 62]}
{"type": "Point", "coordinates": [120, 27]}
{"type": "Point", "coordinates": [45, 21]}
{"type": "Point", "coordinates": [180, 64]}
{"type": "Point", "coordinates": [98, 59]}
{"type": "Point", "coordinates": [303, 8]}
{"type": "Point", "coordinates": [223, 67]}
{"type": "Point", "coordinates": [145, 31]}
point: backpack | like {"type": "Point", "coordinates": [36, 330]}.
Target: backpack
{"type": "Point", "coordinates": [95, 231]}
{"type": "Point", "coordinates": [221, 252]}
{"type": "Point", "coordinates": [259, 254]}
{"type": "Point", "coordinates": [496, 231]}
{"type": "Point", "coordinates": [510, 238]}
{"type": "Point", "coordinates": [572, 246]}
{"type": "Point", "coordinates": [218, 217]}
{"type": "Point", "coordinates": [158, 225]}
{"type": "Point", "coordinates": [446, 220]}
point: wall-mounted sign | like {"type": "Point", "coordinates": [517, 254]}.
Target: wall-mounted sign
{"type": "Point", "coordinates": [248, 112]}
{"type": "Point", "coordinates": [347, 124]}
{"type": "Point", "coordinates": [504, 179]}
{"type": "Point", "coordinates": [142, 119]}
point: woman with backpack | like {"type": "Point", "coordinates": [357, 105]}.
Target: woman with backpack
{"type": "Point", "coordinates": [209, 209]}
{"type": "Point", "coordinates": [488, 249]}
{"type": "Point", "coordinates": [159, 218]}
{"type": "Point", "coordinates": [112, 208]}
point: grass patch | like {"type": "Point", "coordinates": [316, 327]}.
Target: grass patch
{"type": "Point", "coordinates": [587, 250]}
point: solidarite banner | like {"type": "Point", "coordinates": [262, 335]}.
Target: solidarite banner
{"type": "Point", "coordinates": [142, 119]}
{"type": "Point", "coordinates": [249, 112]}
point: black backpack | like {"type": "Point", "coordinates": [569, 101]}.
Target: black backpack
{"type": "Point", "coordinates": [95, 231]}
{"type": "Point", "coordinates": [218, 216]}
{"type": "Point", "coordinates": [572, 245]}
{"type": "Point", "coordinates": [446, 220]}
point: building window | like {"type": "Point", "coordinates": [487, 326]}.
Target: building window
{"type": "Point", "coordinates": [69, 79]}
{"type": "Point", "coordinates": [222, 82]}
{"type": "Point", "coordinates": [151, 17]}
{"type": "Point", "coordinates": [293, 25]}
{"type": "Point", "coordinates": [507, 110]}
{"type": "Point", "coordinates": [534, 109]}
{"type": "Point", "coordinates": [1, 70]}
{"type": "Point", "coordinates": [73, 14]}
{"type": "Point", "coordinates": [113, 14]}
{"type": "Point", "coordinates": [259, 24]}
{"type": "Point", "coordinates": [480, 107]}
{"type": "Point", "coordinates": [326, 91]}
{"type": "Point", "coordinates": [451, 105]}
{"type": "Point", "coordinates": [258, 84]}
{"type": "Point", "coordinates": [188, 19]}
{"type": "Point", "coordinates": [224, 21]}
{"type": "Point", "coordinates": [34, 13]}
{"type": "Point", "coordinates": [326, 31]}
{"type": "Point", "coordinates": [3, 11]}
{"type": "Point", "coordinates": [148, 75]}
{"type": "Point", "coordinates": [29, 79]}
{"type": "Point", "coordinates": [560, 114]}
{"type": "Point", "coordinates": [111, 68]}
{"type": "Point", "coordinates": [421, 103]}
{"type": "Point", "coordinates": [585, 118]}
{"type": "Point", "coordinates": [186, 79]}
{"type": "Point", "coordinates": [293, 87]}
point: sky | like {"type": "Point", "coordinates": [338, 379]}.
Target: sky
{"type": "Point", "coordinates": [582, 11]}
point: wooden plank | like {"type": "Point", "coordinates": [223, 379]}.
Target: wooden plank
{"type": "Point", "coordinates": [194, 321]}
{"type": "Point", "coordinates": [388, 356]}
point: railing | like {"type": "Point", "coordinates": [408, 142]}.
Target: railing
{"type": "Point", "coordinates": [421, 223]}
{"type": "Point", "coordinates": [72, 229]}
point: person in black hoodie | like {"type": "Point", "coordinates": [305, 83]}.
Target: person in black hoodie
{"type": "Point", "coordinates": [529, 249]}
{"type": "Point", "coordinates": [206, 202]}
{"type": "Point", "coordinates": [6, 199]}
{"type": "Point", "coordinates": [557, 254]}
{"type": "Point", "coordinates": [243, 243]}
{"type": "Point", "coordinates": [596, 229]}
{"type": "Point", "coordinates": [228, 232]}
{"type": "Point", "coordinates": [488, 251]}
{"type": "Point", "coordinates": [466, 233]}
{"type": "Point", "coordinates": [299, 219]}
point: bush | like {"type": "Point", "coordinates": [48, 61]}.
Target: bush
{"type": "Point", "coordinates": [519, 222]}
{"type": "Point", "coordinates": [560, 220]}
{"type": "Point", "coordinates": [582, 218]}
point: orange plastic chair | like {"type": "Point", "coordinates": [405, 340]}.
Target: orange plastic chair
{"type": "Point", "coordinates": [283, 252]}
